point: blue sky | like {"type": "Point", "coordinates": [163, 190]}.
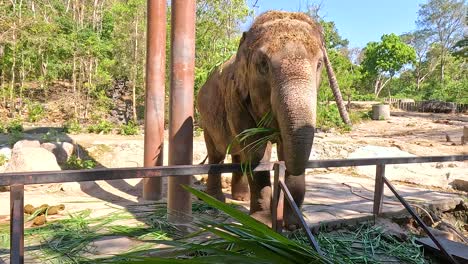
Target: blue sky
{"type": "Point", "coordinates": [359, 21]}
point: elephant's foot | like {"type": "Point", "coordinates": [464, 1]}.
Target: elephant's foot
{"type": "Point", "coordinates": [241, 196]}
{"type": "Point", "coordinates": [291, 221]}
{"type": "Point", "coordinates": [240, 187]}
{"type": "Point", "coordinates": [263, 217]}
{"type": "Point", "coordinates": [240, 192]}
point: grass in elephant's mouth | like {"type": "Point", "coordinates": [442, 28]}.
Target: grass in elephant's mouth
{"type": "Point", "coordinates": [253, 139]}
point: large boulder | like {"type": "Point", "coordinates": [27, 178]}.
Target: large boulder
{"type": "Point", "coordinates": [436, 106]}
{"type": "Point", "coordinates": [61, 150]}
{"type": "Point", "coordinates": [27, 144]}
{"type": "Point", "coordinates": [5, 151]}
{"type": "Point", "coordinates": [32, 159]}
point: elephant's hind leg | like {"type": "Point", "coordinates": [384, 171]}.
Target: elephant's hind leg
{"type": "Point", "coordinates": [239, 183]}
{"type": "Point", "coordinates": [213, 185]}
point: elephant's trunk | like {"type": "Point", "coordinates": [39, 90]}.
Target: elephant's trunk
{"type": "Point", "coordinates": [295, 112]}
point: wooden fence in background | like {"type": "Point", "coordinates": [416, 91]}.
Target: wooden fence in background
{"type": "Point", "coordinates": [430, 106]}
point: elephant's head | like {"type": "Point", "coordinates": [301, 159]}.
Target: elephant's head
{"type": "Point", "coordinates": [278, 69]}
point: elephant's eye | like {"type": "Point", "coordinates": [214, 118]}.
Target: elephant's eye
{"type": "Point", "coordinates": [262, 66]}
{"type": "Point", "coordinates": [319, 64]}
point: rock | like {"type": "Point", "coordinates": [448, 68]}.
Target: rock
{"type": "Point", "coordinates": [32, 159]}
{"type": "Point", "coordinates": [5, 151]}
{"type": "Point", "coordinates": [446, 233]}
{"type": "Point", "coordinates": [460, 185]}
{"type": "Point", "coordinates": [61, 150]}
{"type": "Point", "coordinates": [27, 144]}
{"type": "Point", "coordinates": [436, 106]}
{"type": "Point", "coordinates": [111, 245]}
{"type": "Point", "coordinates": [391, 228]}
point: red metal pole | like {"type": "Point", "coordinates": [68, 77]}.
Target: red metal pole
{"type": "Point", "coordinates": [155, 93]}
{"type": "Point", "coordinates": [179, 204]}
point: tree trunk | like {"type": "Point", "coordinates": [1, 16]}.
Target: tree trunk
{"type": "Point", "coordinates": [377, 86]}
{"type": "Point", "coordinates": [335, 88]}
{"type": "Point", "coordinates": [442, 68]}
{"type": "Point", "coordinates": [2, 85]}
{"type": "Point", "coordinates": [75, 95]}
{"type": "Point", "coordinates": [44, 63]}
{"type": "Point", "coordinates": [22, 79]}
{"type": "Point", "coordinates": [13, 65]}
{"type": "Point", "coordinates": [135, 71]}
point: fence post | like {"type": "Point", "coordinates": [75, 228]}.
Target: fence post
{"type": "Point", "coordinates": [379, 189]}
{"type": "Point", "coordinates": [17, 224]}
{"type": "Point", "coordinates": [277, 206]}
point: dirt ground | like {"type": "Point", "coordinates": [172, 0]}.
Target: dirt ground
{"type": "Point", "coordinates": [331, 192]}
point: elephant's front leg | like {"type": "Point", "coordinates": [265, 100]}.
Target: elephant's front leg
{"type": "Point", "coordinates": [260, 196]}
{"type": "Point", "coordinates": [296, 185]}
{"type": "Point", "coordinates": [260, 188]}
{"type": "Point", "coordinates": [239, 183]}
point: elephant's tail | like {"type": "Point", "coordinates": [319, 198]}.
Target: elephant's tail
{"type": "Point", "coordinates": [204, 160]}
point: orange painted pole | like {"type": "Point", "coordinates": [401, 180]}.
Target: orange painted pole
{"type": "Point", "coordinates": [179, 204]}
{"type": "Point", "coordinates": [155, 94]}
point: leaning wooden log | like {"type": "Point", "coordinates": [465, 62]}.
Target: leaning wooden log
{"type": "Point", "coordinates": [335, 88]}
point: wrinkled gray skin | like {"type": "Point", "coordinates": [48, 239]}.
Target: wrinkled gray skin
{"type": "Point", "coordinates": [277, 68]}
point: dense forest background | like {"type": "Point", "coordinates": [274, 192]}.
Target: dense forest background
{"type": "Point", "coordinates": [76, 53]}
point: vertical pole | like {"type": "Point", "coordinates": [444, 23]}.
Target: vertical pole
{"type": "Point", "coordinates": [17, 224]}
{"type": "Point", "coordinates": [379, 189]}
{"type": "Point", "coordinates": [277, 207]}
{"type": "Point", "coordinates": [155, 93]}
{"type": "Point", "coordinates": [181, 106]}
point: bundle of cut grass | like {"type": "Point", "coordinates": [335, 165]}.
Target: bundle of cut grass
{"type": "Point", "coordinates": [366, 244]}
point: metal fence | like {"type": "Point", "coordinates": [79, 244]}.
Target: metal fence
{"type": "Point", "coordinates": [16, 181]}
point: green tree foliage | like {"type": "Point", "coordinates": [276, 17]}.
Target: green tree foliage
{"type": "Point", "coordinates": [347, 72]}
{"type": "Point", "coordinates": [217, 34]}
{"type": "Point", "coordinates": [81, 47]}
{"type": "Point", "coordinates": [77, 49]}
{"type": "Point", "coordinates": [444, 20]}
{"type": "Point", "coordinates": [440, 71]}
{"type": "Point", "coordinates": [385, 58]}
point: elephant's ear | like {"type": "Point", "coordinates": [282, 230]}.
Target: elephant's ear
{"type": "Point", "coordinates": [240, 73]}
{"type": "Point", "coordinates": [242, 38]}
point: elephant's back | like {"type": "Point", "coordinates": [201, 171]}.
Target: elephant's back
{"type": "Point", "coordinates": [211, 100]}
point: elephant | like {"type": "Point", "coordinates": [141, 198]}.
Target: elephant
{"type": "Point", "coordinates": [276, 70]}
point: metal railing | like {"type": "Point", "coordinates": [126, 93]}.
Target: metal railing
{"type": "Point", "coordinates": [16, 181]}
